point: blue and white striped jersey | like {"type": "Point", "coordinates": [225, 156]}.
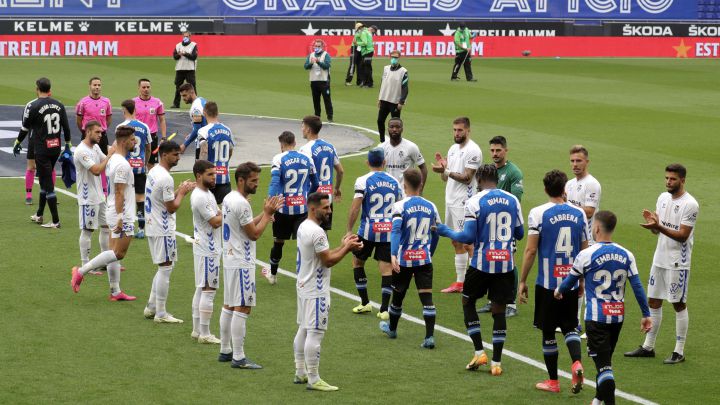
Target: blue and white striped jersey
{"type": "Point", "coordinates": [561, 229]}
{"type": "Point", "coordinates": [325, 158]}
{"type": "Point", "coordinates": [497, 218]}
{"type": "Point", "coordinates": [412, 219]}
{"type": "Point", "coordinates": [136, 157]}
{"type": "Point", "coordinates": [606, 266]}
{"type": "Point", "coordinates": [220, 144]}
{"type": "Point", "coordinates": [293, 176]}
{"type": "Point", "coordinates": [379, 192]}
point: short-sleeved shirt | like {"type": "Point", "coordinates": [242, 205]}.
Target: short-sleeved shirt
{"type": "Point", "coordinates": [119, 172]}
{"type": "Point", "coordinates": [238, 248]}
{"type": "Point", "coordinates": [401, 157]}
{"type": "Point", "coordinates": [97, 109]}
{"type": "Point", "coordinates": [510, 179]}
{"type": "Point", "coordinates": [295, 170]}
{"type": "Point", "coordinates": [220, 143]}
{"type": "Point", "coordinates": [561, 229]}
{"type": "Point", "coordinates": [496, 214]}
{"type": "Point", "coordinates": [148, 111]}
{"type": "Point", "coordinates": [416, 216]}
{"type": "Point", "coordinates": [159, 189]}
{"type": "Point", "coordinates": [458, 159]}
{"type": "Point", "coordinates": [379, 192]}
{"type": "Point", "coordinates": [606, 266]}
{"type": "Point", "coordinates": [669, 253]}
{"type": "Point", "coordinates": [584, 193]}
{"type": "Point", "coordinates": [313, 278]}
{"type": "Point", "coordinates": [136, 157]}
{"type": "Point", "coordinates": [325, 158]}
{"type": "Point", "coordinates": [89, 186]}
{"type": "Point", "coordinates": [207, 239]}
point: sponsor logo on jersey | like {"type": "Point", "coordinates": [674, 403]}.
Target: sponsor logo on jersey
{"type": "Point", "coordinates": [613, 308]}
{"type": "Point", "coordinates": [414, 254]}
{"type": "Point", "coordinates": [562, 270]}
{"type": "Point", "coordinates": [497, 255]}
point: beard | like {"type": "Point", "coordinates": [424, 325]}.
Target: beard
{"type": "Point", "coordinates": [460, 140]}
{"type": "Point", "coordinates": [249, 190]}
{"type": "Point", "coordinates": [323, 220]}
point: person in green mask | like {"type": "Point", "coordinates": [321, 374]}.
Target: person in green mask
{"type": "Point", "coordinates": [463, 45]}
{"type": "Point", "coordinates": [393, 92]}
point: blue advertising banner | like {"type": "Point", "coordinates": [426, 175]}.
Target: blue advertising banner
{"type": "Point", "coordinates": [425, 9]}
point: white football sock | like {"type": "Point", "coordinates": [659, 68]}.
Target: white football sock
{"type": "Point", "coordinates": [299, 350]}
{"type": "Point", "coordinates": [104, 239]}
{"type": "Point", "coordinates": [226, 317]}
{"type": "Point", "coordinates": [196, 310]}
{"type": "Point", "coordinates": [162, 286]}
{"type": "Point", "coordinates": [238, 335]}
{"type": "Point", "coordinates": [580, 311]}
{"type": "Point", "coordinates": [85, 243]}
{"type": "Point", "coordinates": [461, 263]}
{"type": "Point", "coordinates": [312, 354]}
{"type": "Point", "coordinates": [113, 272]}
{"type": "Point", "coordinates": [682, 320]}
{"type": "Point", "coordinates": [206, 310]}
{"type": "Point", "coordinates": [656, 316]}
{"type": "Point", "coordinates": [101, 260]}
{"type": "Point", "coordinates": [151, 300]}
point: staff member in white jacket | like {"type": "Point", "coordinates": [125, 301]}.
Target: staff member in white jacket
{"type": "Point", "coordinates": [185, 55]}
{"type": "Point", "coordinates": [393, 92]}
{"type": "Point", "coordinates": [318, 63]}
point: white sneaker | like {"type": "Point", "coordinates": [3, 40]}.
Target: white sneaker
{"type": "Point", "coordinates": [194, 335]}
{"type": "Point", "coordinates": [272, 279]}
{"type": "Point", "coordinates": [167, 319]}
{"type": "Point", "coordinates": [36, 219]}
{"type": "Point", "coordinates": [209, 340]}
{"type": "Point", "coordinates": [51, 225]}
{"type": "Point", "coordinates": [583, 336]}
{"type": "Point", "coordinates": [148, 313]}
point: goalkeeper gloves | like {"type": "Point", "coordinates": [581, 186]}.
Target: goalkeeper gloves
{"type": "Point", "coordinates": [68, 145]}
{"type": "Point", "coordinates": [17, 148]}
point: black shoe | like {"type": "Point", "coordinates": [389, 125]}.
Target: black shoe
{"type": "Point", "coordinates": [225, 357]}
{"type": "Point", "coordinates": [674, 358]}
{"type": "Point", "coordinates": [175, 106]}
{"type": "Point", "coordinates": [472, 80]}
{"type": "Point", "coordinates": [455, 79]}
{"type": "Point", "coordinates": [641, 352]}
{"type": "Point", "coordinates": [330, 120]}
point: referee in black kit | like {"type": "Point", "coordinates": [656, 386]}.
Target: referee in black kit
{"type": "Point", "coordinates": [46, 118]}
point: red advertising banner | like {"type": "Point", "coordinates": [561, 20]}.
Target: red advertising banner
{"type": "Point", "coordinates": [410, 46]}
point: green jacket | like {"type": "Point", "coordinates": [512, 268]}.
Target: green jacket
{"type": "Point", "coordinates": [510, 179]}
{"type": "Point", "coordinates": [356, 38]}
{"type": "Point", "coordinates": [462, 37]}
{"type": "Point", "coordinates": [365, 42]}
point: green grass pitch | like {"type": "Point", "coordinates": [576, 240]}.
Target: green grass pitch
{"type": "Point", "coordinates": [635, 116]}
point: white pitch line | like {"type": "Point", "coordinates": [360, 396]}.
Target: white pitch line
{"type": "Point", "coordinates": [447, 331]}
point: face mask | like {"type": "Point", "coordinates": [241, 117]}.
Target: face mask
{"type": "Point", "coordinates": [318, 49]}
{"type": "Point", "coordinates": [186, 40]}
{"type": "Point", "coordinates": [393, 61]}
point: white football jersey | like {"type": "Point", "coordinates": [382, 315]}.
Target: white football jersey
{"type": "Point", "coordinates": [313, 278]}
{"type": "Point", "coordinates": [458, 159]}
{"type": "Point", "coordinates": [238, 248]}
{"type": "Point", "coordinates": [671, 254]}
{"type": "Point", "coordinates": [118, 171]}
{"type": "Point", "coordinates": [207, 238]}
{"type": "Point", "coordinates": [159, 189]}
{"type": "Point", "coordinates": [584, 193]}
{"type": "Point", "coordinates": [89, 186]}
{"type": "Point", "coordinates": [401, 157]}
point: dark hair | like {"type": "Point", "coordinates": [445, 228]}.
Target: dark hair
{"type": "Point", "coordinates": [244, 170]}
{"type": "Point", "coordinates": [201, 166]}
{"type": "Point", "coordinates": [499, 140]}
{"type": "Point", "coordinates": [143, 80]}
{"type": "Point", "coordinates": [412, 178]}
{"type": "Point", "coordinates": [579, 149]}
{"type": "Point", "coordinates": [398, 119]}
{"type": "Point", "coordinates": [462, 120]}
{"type": "Point", "coordinates": [93, 79]}
{"type": "Point", "coordinates": [186, 87]}
{"type": "Point", "coordinates": [313, 122]}
{"type": "Point", "coordinates": [677, 168]}
{"type": "Point", "coordinates": [91, 124]}
{"type": "Point", "coordinates": [43, 84]}
{"type": "Point", "coordinates": [396, 52]}
{"type": "Point", "coordinates": [129, 105]}
{"type": "Point", "coordinates": [316, 198]}
{"type": "Point", "coordinates": [168, 147]}
{"type": "Point", "coordinates": [124, 131]}
{"type": "Point", "coordinates": [287, 138]}
{"type": "Point", "coordinates": [211, 109]}
{"type": "Point", "coordinates": [487, 172]}
{"type": "Point", "coordinates": [554, 182]}
{"type": "Point", "coordinates": [607, 220]}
